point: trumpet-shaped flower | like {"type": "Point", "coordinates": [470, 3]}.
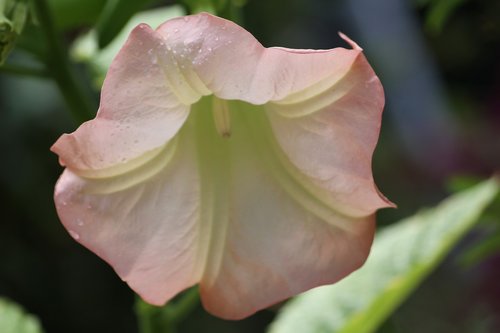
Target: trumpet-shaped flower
{"type": "Point", "coordinates": [215, 161]}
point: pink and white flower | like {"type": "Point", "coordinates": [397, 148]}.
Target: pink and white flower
{"type": "Point", "coordinates": [215, 161]}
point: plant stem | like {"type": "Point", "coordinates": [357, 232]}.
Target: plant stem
{"type": "Point", "coordinates": [60, 69]}
{"type": "Point", "coordinates": [184, 306]}
{"type": "Point", "coordinates": [144, 313]}
{"type": "Point", "coordinates": [152, 319]}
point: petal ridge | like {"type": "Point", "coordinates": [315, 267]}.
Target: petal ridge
{"type": "Point", "coordinates": [138, 112]}
{"type": "Point", "coordinates": [334, 145]}
{"type": "Point", "coordinates": [132, 177]}
{"type": "Point", "coordinates": [294, 182]}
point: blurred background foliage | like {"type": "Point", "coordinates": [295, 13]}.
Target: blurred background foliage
{"type": "Point", "coordinates": [439, 61]}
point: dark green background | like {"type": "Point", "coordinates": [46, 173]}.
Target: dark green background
{"type": "Point", "coordinates": [442, 121]}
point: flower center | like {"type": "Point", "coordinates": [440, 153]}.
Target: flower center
{"type": "Point", "coordinates": [222, 118]}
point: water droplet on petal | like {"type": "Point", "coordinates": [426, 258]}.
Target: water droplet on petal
{"type": "Point", "coordinates": [74, 234]}
{"type": "Point", "coordinates": [176, 30]}
{"type": "Point", "coordinates": [186, 18]}
{"type": "Point", "coordinates": [79, 222]}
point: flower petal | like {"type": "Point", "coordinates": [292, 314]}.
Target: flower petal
{"type": "Point", "coordinates": [234, 65]}
{"type": "Point", "coordinates": [325, 106]}
{"type": "Point", "coordinates": [148, 231]}
{"type": "Point", "coordinates": [279, 241]}
{"type": "Point", "coordinates": [139, 113]}
{"type": "Point", "coordinates": [333, 145]}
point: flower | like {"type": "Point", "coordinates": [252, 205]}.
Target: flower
{"type": "Point", "coordinates": [215, 161]}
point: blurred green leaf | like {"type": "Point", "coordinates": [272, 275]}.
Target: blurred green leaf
{"type": "Point", "coordinates": [86, 49]}
{"type": "Point", "coordinates": [403, 254]}
{"type": "Point", "coordinates": [13, 319]}
{"type": "Point", "coordinates": [197, 6]}
{"type": "Point", "coordinates": [229, 9]}
{"type": "Point", "coordinates": [462, 182]}
{"type": "Point", "coordinates": [115, 16]}
{"type": "Point", "coordinates": [69, 14]}
{"type": "Point", "coordinates": [481, 251]}
{"type": "Point", "coordinates": [13, 14]}
{"type": "Point", "coordinates": [439, 12]}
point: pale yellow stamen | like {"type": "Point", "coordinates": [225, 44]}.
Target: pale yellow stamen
{"type": "Point", "coordinates": [221, 117]}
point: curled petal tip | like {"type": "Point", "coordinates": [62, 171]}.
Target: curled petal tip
{"type": "Point", "coordinates": [353, 44]}
{"type": "Point", "coordinates": [389, 203]}
{"type": "Point", "coordinates": [143, 26]}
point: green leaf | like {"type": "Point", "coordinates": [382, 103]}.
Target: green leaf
{"type": "Point", "coordinates": [462, 182]}
{"type": "Point", "coordinates": [85, 48]}
{"type": "Point", "coordinates": [402, 256]}
{"type": "Point", "coordinates": [13, 319]}
{"type": "Point", "coordinates": [198, 6]}
{"type": "Point", "coordinates": [70, 14]}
